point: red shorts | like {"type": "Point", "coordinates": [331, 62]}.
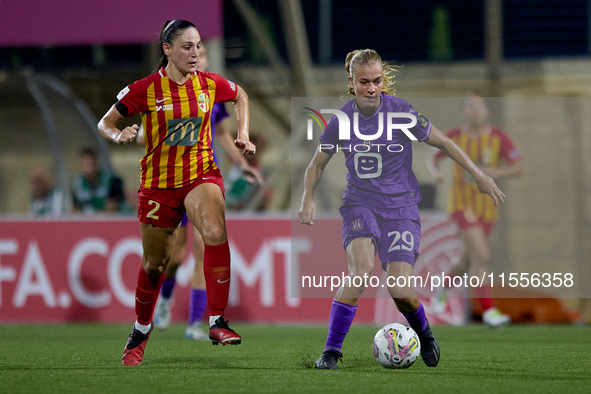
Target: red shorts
{"type": "Point", "coordinates": [166, 207]}
{"type": "Point", "coordinates": [468, 218]}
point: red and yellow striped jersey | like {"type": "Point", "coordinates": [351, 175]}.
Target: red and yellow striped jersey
{"type": "Point", "coordinates": [485, 151]}
{"type": "Point", "coordinates": [177, 124]}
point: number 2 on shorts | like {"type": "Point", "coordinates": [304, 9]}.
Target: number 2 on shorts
{"type": "Point", "coordinates": [407, 238]}
{"type": "Point", "coordinates": [153, 211]}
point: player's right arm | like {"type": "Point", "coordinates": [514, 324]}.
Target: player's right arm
{"type": "Point", "coordinates": [307, 212]}
{"type": "Point", "coordinates": [107, 127]}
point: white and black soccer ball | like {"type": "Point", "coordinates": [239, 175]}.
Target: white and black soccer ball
{"type": "Point", "coordinates": [396, 346]}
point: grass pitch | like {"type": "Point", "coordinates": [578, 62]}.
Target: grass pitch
{"type": "Point", "coordinates": [474, 359]}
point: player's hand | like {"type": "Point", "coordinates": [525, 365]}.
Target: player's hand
{"type": "Point", "coordinates": [252, 175]}
{"type": "Point", "coordinates": [487, 185]}
{"type": "Point", "coordinates": [127, 135]}
{"type": "Point", "coordinates": [307, 212]}
{"type": "Point", "coordinates": [247, 147]}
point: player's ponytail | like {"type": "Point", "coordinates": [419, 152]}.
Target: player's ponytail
{"type": "Point", "coordinates": [367, 56]}
{"type": "Point", "coordinates": [169, 32]}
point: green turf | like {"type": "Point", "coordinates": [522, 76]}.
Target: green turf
{"type": "Point", "coordinates": [474, 359]}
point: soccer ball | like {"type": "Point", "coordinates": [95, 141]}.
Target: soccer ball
{"type": "Point", "coordinates": [396, 346]}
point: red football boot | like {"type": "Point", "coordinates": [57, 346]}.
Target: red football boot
{"type": "Point", "coordinates": [133, 353]}
{"type": "Point", "coordinates": [220, 332]}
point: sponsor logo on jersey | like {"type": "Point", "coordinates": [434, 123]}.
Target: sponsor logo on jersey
{"type": "Point", "coordinates": [232, 85]}
{"type": "Point", "coordinates": [165, 107]}
{"type": "Point", "coordinates": [184, 132]}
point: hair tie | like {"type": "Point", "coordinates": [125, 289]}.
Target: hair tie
{"type": "Point", "coordinates": [168, 25]}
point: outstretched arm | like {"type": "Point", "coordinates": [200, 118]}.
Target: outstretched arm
{"type": "Point", "coordinates": [485, 183]}
{"type": "Point", "coordinates": [107, 127]}
{"type": "Point", "coordinates": [307, 212]}
{"type": "Point", "coordinates": [242, 117]}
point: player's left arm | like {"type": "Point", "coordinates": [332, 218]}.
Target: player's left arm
{"type": "Point", "coordinates": [242, 117]}
{"type": "Point", "coordinates": [485, 183]}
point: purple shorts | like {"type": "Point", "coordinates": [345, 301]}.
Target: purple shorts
{"type": "Point", "coordinates": [396, 232]}
{"type": "Point", "coordinates": [184, 220]}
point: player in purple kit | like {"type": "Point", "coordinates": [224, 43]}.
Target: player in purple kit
{"type": "Point", "coordinates": [379, 208]}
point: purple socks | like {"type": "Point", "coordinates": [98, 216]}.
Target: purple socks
{"type": "Point", "coordinates": [167, 287]}
{"type": "Point", "coordinates": [197, 304]}
{"type": "Point", "coordinates": [197, 299]}
{"type": "Point", "coordinates": [341, 317]}
{"type": "Point", "coordinates": [417, 320]}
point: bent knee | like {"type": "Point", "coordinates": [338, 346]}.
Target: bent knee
{"type": "Point", "coordinates": [214, 235]}
{"type": "Point", "coordinates": [362, 268]}
{"type": "Point", "coordinates": [154, 268]}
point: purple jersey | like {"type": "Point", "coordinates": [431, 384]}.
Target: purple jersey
{"type": "Point", "coordinates": [218, 113]}
{"type": "Point", "coordinates": [380, 170]}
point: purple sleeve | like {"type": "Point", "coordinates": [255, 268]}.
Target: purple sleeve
{"type": "Point", "coordinates": [220, 113]}
{"type": "Point", "coordinates": [423, 127]}
{"type": "Point", "coordinates": [329, 139]}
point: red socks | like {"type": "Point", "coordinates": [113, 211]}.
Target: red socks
{"type": "Point", "coordinates": [484, 297]}
{"type": "Point", "coordinates": [216, 267]}
{"type": "Point", "coordinates": [146, 294]}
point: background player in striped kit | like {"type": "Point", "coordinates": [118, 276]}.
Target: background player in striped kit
{"type": "Point", "coordinates": [198, 295]}
{"type": "Point", "coordinates": [475, 215]}
{"type": "Point", "coordinates": [178, 174]}
{"type": "Point", "coordinates": [379, 208]}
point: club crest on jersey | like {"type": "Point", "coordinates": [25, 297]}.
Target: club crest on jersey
{"type": "Point", "coordinates": [357, 224]}
{"type": "Point", "coordinates": [203, 101]}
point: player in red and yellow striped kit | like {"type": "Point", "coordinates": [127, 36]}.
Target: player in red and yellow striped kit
{"type": "Point", "coordinates": [495, 153]}
{"type": "Point", "coordinates": [178, 173]}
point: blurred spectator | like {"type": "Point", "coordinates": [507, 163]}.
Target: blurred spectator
{"type": "Point", "coordinates": [97, 190]}
{"type": "Point", "coordinates": [46, 200]}
{"type": "Point", "coordinates": [240, 186]}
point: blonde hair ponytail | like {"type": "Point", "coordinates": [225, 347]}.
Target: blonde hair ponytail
{"type": "Point", "coordinates": [367, 56]}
